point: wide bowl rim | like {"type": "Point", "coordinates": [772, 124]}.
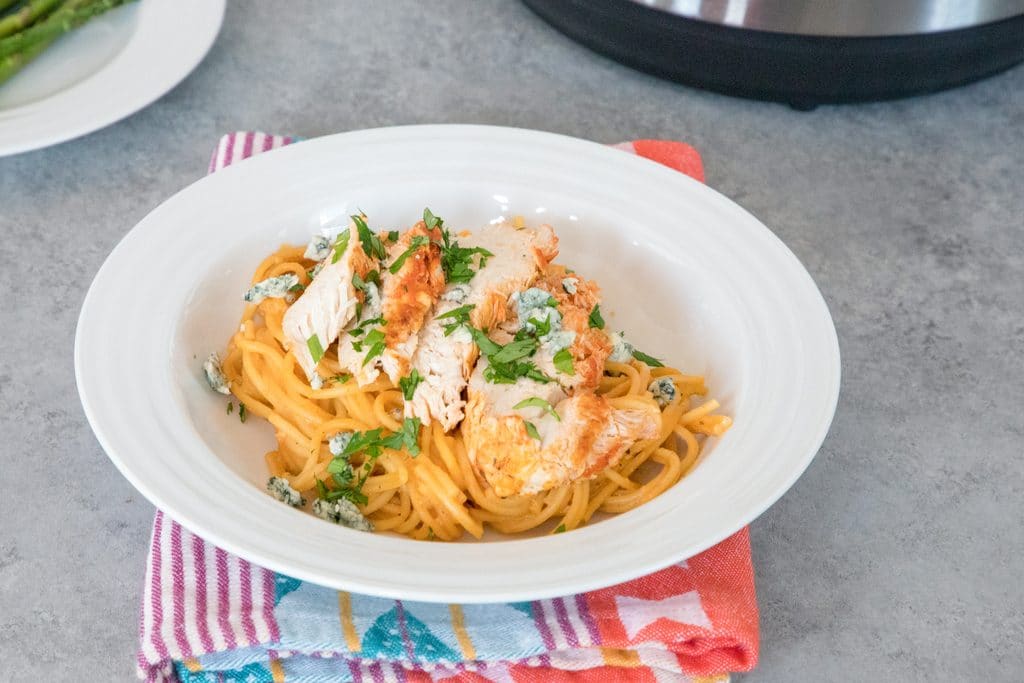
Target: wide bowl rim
{"type": "Point", "coordinates": [441, 569]}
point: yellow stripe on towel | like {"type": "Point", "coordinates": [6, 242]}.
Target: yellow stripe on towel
{"type": "Point", "coordinates": [459, 626]}
{"type": "Point", "coordinates": [616, 657]}
{"type": "Point", "coordinates": [277, 670]}
{"type": "Point", "coordinates": [347, 626]}
{"type": "Point", "coordinates": [192, 664]}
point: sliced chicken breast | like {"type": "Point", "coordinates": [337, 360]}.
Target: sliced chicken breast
{"type": "Point", "coordinates": [531, 435]}
{"type": "Point", "coordinates": [445, 362]}
{"type": "Point", "coordinates": [409, 296]}
{"type": "Point", "coordinates": [587, 436]}
{"type": "Point", "coordinates": [327, 305]}
{"type": "Point", "coordinates": [404, 301]}
{"type": "Point", "coordinates": [519, 258]}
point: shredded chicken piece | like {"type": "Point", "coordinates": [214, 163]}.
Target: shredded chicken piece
{"type": "Point", "coordinates": [589, 436]}
{"type": "Point", "coordinates": [327, 305]}
{"type": "Point", "coordinates": [406, 299]}
{"type": "Point", "coordinates": [445, 363]}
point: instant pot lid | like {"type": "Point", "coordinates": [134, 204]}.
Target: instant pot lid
{"type": "Point", "coordinates": [714, 49]}
{"type": "Point", "coordinates": [843, 17]}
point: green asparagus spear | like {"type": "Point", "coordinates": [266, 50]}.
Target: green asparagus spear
{"type": "Point", "coordinates": [25, 16]}
{"type": "Point", "coordinates": [12, 64]}
{"type": "Point", "coordinates": [70, 16]}
{"type": "Point", "coordinates": [7, 4]}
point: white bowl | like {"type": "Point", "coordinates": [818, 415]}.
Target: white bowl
{"type": "Point", "coordinates": [691, 277]}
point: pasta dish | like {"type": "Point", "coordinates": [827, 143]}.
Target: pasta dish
{"type": "Point", "coordinates": [435, 384]}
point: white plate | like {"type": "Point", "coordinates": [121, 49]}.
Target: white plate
{"type": "Point", "coordinates": [109, 68]}
{"type": "Point", "coordinates": [689, 275]}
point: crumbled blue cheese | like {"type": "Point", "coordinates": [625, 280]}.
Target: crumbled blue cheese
{"type": "Point", "coordinates": [342, 512]}
{"type": "Point", "coordinates": [272, 288]}
{"type": "Point", "coordinates": [318, 249]}
{"type": "Point", "coordinates": [559, 339]}
{"type": "Point", "coordinates": [316, 270]}
{"type": "Point", "coordinates": [530, 301]}
{"type": "Point", "coordinates": [663, 390]}
{"type": "Point", "coordinates": [569, 285]}
{"type": "Point", "coordinates": [316, 381]}
{"type": "Point", "coordinates": [337, 443]}
{"type": "Point", "coordinates": [372, 306]}
{"type": "Point", "coordinates": [533, 304]}
{"type": "Point", "coordinates": [456, 294]}
{"type": "Point", "coordinates": [214, 375]}
{"type": "Point", "coordinates": [279, 488]}
{"type": "Point", "coordinates": [622, 350]}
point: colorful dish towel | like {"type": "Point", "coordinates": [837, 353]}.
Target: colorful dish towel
{"type": "Point", "coordinates": [208, 615]}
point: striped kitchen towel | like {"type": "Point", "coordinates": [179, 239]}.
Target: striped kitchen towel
{"type": "Point", "coordinates": [208, 615]}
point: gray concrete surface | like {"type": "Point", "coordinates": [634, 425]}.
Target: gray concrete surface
{"type": "Point", "coordinates": [896, 557]}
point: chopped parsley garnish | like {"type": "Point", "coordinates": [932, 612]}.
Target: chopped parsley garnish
{"type": "Point", "coordinates": [431, 221]}
{"type": "Point", "coordinates": [650, 360]}
{"type": "Point", "coordinates": [537, 402]}
{"type": "Point", "coordinates": [514, 350]}
{"type": "Point", "coordinates": [407, 437]}
{"type": "Point", "coordinates": [298, 287]}
{"type": "Point", "coordinates": [563, 362]}
{"type": "Point", "coordinates": [459, 317]}
{"type": "Point", "coordinates": [456, 261]}
{"type": "Point", "coordinates": [368, 441]}
{"type": "Point", "coordinates": [372, 246]}
{"type": "Point", "coordinates": [315, 349]}
{"type": "Point", "coordinates": [243, 414]}
{"type": "Point", "coordinates": [341, 378]}
{"type": "Point", "coordinates": [358, 282]}
{"type": "Point", "coordinates": [409, 384]}
{"type": "Point", "coordinates": [505, 364]}
{"type": "Point", "coordinates": [231, 407]}
{"type": "Point", "coordinates": [321, 489]}
{"type": "Point", "coordinates": [595, 319]}
{"type": "Point", "coordinates": [363, 285]}
{"type": "Point", "coordinates": [531, 429]}
{"type": "Point", "coordinates": [340, 245]}
{"type": "Point", "coordinates": [375, 338]}
{"type": "Point", "coordinates": [541, 327]}
{"type": "Point", "coordinates": [371, 444]}
{"type": "Point", "coordinates": [358, 331]}
{"type": "Point", "coordinates": [343, 492]}
{"type": "Point", "coordinates": [487, 347]}
{"type": "Point", "coordinates": [509, 373]}
{"type": "Point", "coordinates": [415, 243]}
{"type": "Point", "coordinates": [341, 472]}
{"type": "Point", "coordinates": [392, 236]}
{"type": "Point", "coordinates": [560, 529]}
